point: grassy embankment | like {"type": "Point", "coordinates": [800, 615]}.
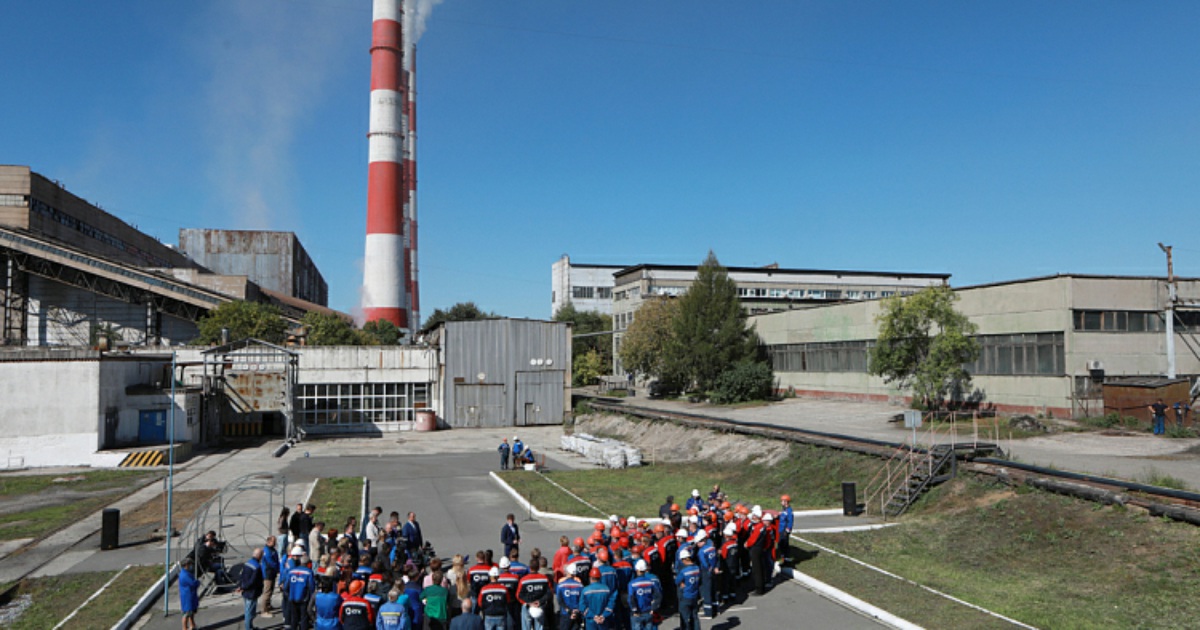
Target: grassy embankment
{"type": "Point", "coordinates": [47, 596]}
{"type": "Point", "coordinates": [337, 498]}
{"type": "Point", "coordinates": [1043, 559]}
{"type": "Point", "coordinates": [47, 505]}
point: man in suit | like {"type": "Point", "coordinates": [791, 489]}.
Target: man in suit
{"type": "Point", "coordinates": [510, 535]}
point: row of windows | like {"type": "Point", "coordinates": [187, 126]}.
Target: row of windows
{"type": "Point", "coordinates": [87, 229]}
{"type": "Point", "coordinates": [589, 293]}
{"type": "Point", "coordinates": [320, 404]}
{"type": "Point", "coordinates": [9, 199]}
{"type": "Point", "coordinates": [1021, 354]}
{"type": "Point", "coordinates": [1118, 321]}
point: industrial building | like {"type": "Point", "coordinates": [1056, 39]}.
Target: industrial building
{"type": "Point", "coordinates": [275, 261]}
{"type": "Point", "coordinates": [1048, 344]}
{"type": "Point", "coordinates": [588, 287]}
{"type": "Point", "coordinates": [760, 289]}
{"type": "Point", "coordinates": [98, 408]}
{"type": "Point", "coordinates": [73, 273]}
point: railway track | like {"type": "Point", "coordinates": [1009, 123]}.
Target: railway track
{"type": "Point", "coordinates": [982, 458]}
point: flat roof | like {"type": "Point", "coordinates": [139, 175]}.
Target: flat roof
{"type": "Point", "coordinates": [782, 270]}
{"type": "Point", "coordinates": [1087, 276]}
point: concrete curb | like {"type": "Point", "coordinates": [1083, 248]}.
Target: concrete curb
{"type": "Point", "coordinates": [806, 581]}
{"type": "Point", "coordinates": [92, 597]}
{"type": "Point", "coordinates": [149, 597]}
{"type": "Point", "coordinates": [849, 601]}
{"type": "Point", "coordinates": [839, 530]}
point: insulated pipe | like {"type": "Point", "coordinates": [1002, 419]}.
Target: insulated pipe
{"type": "Point", "coordinates": [385, 285]}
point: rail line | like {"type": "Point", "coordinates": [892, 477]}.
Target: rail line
{"type": "Point", "coordinates": [1180, 505]}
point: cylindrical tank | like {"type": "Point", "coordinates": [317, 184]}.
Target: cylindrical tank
{"type": "Point", "coordinates": [426, 421]}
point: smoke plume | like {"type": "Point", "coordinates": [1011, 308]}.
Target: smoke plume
{"type": "Point", "coordinates": [416, 12]}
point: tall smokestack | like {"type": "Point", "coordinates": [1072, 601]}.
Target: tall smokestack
{"type": "Point", "coordinates": [410, 183]}
{"type": "Point", "coordinates": [386, 283]}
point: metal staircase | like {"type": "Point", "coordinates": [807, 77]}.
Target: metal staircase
{"type": "Point", "coordinates": [911, 470]}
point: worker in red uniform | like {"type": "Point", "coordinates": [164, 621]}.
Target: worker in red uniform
{"type": "Point", "coordinates": [356, 613]}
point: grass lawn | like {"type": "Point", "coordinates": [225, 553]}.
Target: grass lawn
{"type": "Point", "coordinates": [54, 505]}
{"type": "Point", "coordinates": [337, 498]}
{"type": "Point", "coordinates": [53, 598]}
{"type": "Point", "coordinates": [811, 475]}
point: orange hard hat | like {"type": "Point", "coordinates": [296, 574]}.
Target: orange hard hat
{"type": "Point", "coordinates": [728, 516]}
{"type": "Point", "coordinates": [693, 511]}
{"type": "Point", "coordinates": [786, 497]}
{"type": "Point", "coordinates": [595, 573]}
{"type": "Point", "coordinates": [658, 529]}
{"type": "Point", "coordinates": [602, 554]}
{"type": "Point", "coordinates": [725, 505]}
{"type": "Point", "coordinates": [578, 542]}
{"type": "Point", "coordinates": [741, 509]}
{"type": "Point", "coordinates": [356, 587]}
{"type": "Point", "coordinates": [599, 527]}
{"type": "Point", "coordinates": [674, 507]}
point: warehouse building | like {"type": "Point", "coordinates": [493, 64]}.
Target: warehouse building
{"type": "Point", "coordinates": [760, 289]}
{"type": "Point", "coordinates": [72, 274]}
{"type": "Point", "coordinates": [1049, 344]}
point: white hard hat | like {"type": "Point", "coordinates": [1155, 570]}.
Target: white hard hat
{"type": "Point", "coordinates": [494, 572]}
{"type": "Point", "coordinates": [297, 551]}
{"type": "Point", "coordinates": [641, 566]}
{"type": "Point", "coordinates": [682, 533]}
{"type": "Point", "coordinates": [535, 612]}
{"type": "Point", "coordinates": [768, 517]}
{"type": "Point", "coordinates": [685, 554]}
{"type": "Point", "coordinates": [730, 529]}
{"type": "Point", "coordinates": [613, 519]}
{"type": "Point", "coordinates": [695, 492]}
{"type": "Point", "coordinates": [700, 536]}
{"type": "Point", "coordinates": [756, 510]}
{"type": "Point", "coordinates": [631, 519]}
{"type": "Point", "coordinates": [694, 519]}
{"type": "Point", "coordinates": [504, 563]}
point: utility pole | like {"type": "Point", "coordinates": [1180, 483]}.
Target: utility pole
{"type": "Point", "coordinates": [1170, 314]}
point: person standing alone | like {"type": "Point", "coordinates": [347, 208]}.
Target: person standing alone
{"type": "Point", "coordinates": [510, 535]}
{"type": "Point", "coordinates": [504, 451]}
{"type": "Point", "coordinates": [1159, 409]}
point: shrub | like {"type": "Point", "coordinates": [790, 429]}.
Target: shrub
{"type": "Point", "coordinates": [748, 380]}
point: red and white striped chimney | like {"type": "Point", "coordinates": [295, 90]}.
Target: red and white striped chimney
{"type": "Point", "coordinates": [410, 183]}
{"type": "Point", "coordinates": [386, 284]}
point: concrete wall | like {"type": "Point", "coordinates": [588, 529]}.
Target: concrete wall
{"type": "Point", "coordinates": [367, 364]}
{"type": "Point", "coordinates": [50, 398]}
{"type": "Point", "coordinates": [115, 395]}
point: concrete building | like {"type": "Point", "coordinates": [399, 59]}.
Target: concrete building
{"type": "Point", "coordinates": [71, 273]}
{"type": "Point", "coordinates": [1048, 343]}
{"type": "Point", "coordinates": [760, 289]}
{"type": "Point", "coordinates": [588, 287]}
{"type": "Point", "coordinates": [86, 407]}
{"type": "Point", "coordinates": [272, 260]}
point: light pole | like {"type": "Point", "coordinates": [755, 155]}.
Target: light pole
{"type": "Point", "coordinates": [170, 492]}
{"type": "Point", "coordinates": [1170, 311]}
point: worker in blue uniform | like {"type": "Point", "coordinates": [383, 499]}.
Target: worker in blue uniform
{"type": "Point", "coordinates": [645, 597]}
{"type": "Point", "coordinates": [327, 603]}
{"type": "Point", "coordinates": [783, 527]}
{"type": "Point", "coordinates": [688, 582]}
{"type": "Point", "coordinates": [709, 563]}
{"type": "Point", "coordinates": [300, 586]}
{"type": "Point", "coordinates": [596, 603]}
{"type": "Point", "coordinates": [567, 594]}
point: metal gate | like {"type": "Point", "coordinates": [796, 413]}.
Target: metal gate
{"type": "Point", "coordinates": [478, 406]}
{"type": "Point", "coordinates": [539, 398]}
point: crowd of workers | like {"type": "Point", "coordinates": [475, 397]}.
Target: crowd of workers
{"type": "Point", "coordinates": [627, 574]}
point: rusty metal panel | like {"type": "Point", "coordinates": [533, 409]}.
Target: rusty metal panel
{"type": "Point", "coordinates": [256, 391]}
{"type": "Point", "coordinates": [1133, 398]}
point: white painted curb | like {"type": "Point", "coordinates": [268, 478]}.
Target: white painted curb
{"type": "Point", "coordinates": [839, 530]}
{"type": "Point", "coordinates": [829, 512]}
{"type": "Point", "coordinates": [148, 598]}
{"type": "Point", "coordinates": [534, 511]}
{"type": "Point", "coordinates": [93, 596]}
{"type": "Point", "coordinates": [849, 601]}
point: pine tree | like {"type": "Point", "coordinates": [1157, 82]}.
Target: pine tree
{"type": "Point", "coordinates": [711, 334]}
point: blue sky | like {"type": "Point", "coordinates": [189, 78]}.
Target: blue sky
{"type": "Point", "coordinates": [989, 140]}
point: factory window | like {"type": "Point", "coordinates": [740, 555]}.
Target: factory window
{"type": "Point", "coordinates": [833, 294]}
{"type": "Point", "coordinates": [852, 295]}
{"type": "Point", "coordinates": [839, 356]}
{"type": "Point", "coordinates": [7, 199]}
{"type": "Point", "coordinates": [868, 295]}
{"type": "Point", "coordinates": [887, 293]}
{"type": "Point", "coordinates": [1030, 354]}
{"type": "Point", "coordinates": [604, 293]}
{"type": "Point", "coordinates": [1118, 321]}
{"type": "Point", "coordinates": [322, 404]}
{"type": "Point", "coordinates": [583, 293]}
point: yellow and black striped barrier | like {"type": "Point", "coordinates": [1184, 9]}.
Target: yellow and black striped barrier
{"type": "Point", "coordinates": [241, 429]}
{"type": "Point", "coordinates": [142, 459]}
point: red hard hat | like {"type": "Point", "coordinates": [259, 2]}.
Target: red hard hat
{"type": "Point", "coordinates": [623, 521]}
{"type": "Point", "coordinates": [595, 574]}
{"type": "Point", "coordinates": [578, 542]}
{"type": "Point", "coordinates": [786, 497]}
{"type": "Point", "coordinates": [599, 527]}
{"type": "Point", "coordinates": [642, 524]}
{"type": "Point", "coordinates": [602, 554]}
{"type": "Point", "coordinates": [674, 507]}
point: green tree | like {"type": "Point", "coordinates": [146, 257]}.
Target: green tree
{"type": "Point", "coordinates": [327, 329]}
{"type": "Point", "coordinates": [745, 381]}
{"type": "Point", "coordinates": [584, 323]}
{"type": "Point", "coordinates": [710, 331]}
{"type": "Point", "coordinates": [243, 319]}
{"type": "Point", "coordinates": [644, 344]}
{"type": "Point", "coordinates": [924, 344]}
{"type": "Point", "coordinates": [381, 332]}
{"type": "Point", "coordinates": [460, 312]}
{"type": "Point", "coordinates": [587, 368]}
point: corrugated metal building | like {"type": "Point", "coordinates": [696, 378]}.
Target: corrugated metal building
{"type": "Point", "coordinates": [273, 260]}
{"type": "Point", "coordinates": [505, 372]}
